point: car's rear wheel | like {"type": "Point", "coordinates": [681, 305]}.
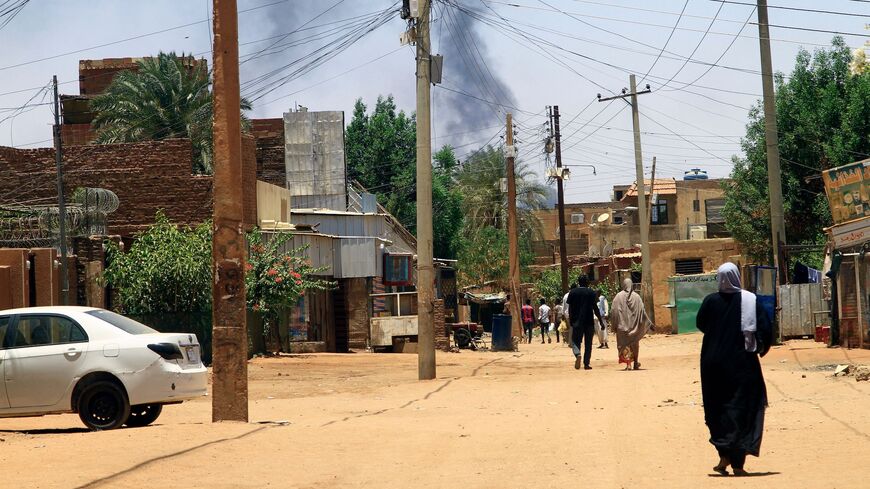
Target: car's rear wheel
{"type": "Point", "coordinates": [103, 406]}
{"type": "Point", "coordinates": [143, 415]}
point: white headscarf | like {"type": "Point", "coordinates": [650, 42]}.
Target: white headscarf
{"type": "Point", "coordinates": [728, 277]}
{"type": "Point", "coordinates": [627, 284]}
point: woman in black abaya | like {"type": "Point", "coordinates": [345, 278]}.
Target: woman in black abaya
{"type": "Point", "coordinates": [736, 332]}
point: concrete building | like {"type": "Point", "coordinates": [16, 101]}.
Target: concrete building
{"type": "Point", "coordinates": [687, 234]}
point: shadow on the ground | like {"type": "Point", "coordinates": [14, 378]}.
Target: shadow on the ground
{"type": "Point", "coordinates": [48, 431]}
{"type": "Point", "coordinates": [750, 474]}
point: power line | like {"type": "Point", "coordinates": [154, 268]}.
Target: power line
{"type": "Point", "coordinates": [140, 36]}
{"type": "Point", "coordinates": [668, 41]}
{"type": "Point", "coordinates": [697, 46]}
{"type": "Point", "coordinates": [796, 9]}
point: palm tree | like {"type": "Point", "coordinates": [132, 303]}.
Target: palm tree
{"type": "Point", "coordinates": [168, 97]}
{"type": "Point", "coordinates": [485, 203]}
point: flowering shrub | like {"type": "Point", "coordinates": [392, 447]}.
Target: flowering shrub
{"type": "Point", "coordinates": [276, 278]}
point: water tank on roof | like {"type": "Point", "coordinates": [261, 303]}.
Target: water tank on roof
{"type": "Point", "coordinates": [695, 174]}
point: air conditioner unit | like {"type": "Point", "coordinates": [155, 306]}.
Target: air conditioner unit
{"type": "Point", "coordinates": [697, 232]}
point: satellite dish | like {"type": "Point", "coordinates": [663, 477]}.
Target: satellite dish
{"type": "Point", "coordinates": [603, 217]}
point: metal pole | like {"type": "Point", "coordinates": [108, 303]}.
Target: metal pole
{"type": "Point", "coordinates": [513, 230]}
{"type": "Point", "coordinates": [425, 269]}
{"type": "Point", "coordinates": [61, 203]}
{"type": "Point", "coordinates": [771, 136]}
{"type": "Point", "coordinates": [563, 246]}
{"type": "Point", "coordinates": [229, 330]}
{"type": "Point", "coordinates": [646, 268]}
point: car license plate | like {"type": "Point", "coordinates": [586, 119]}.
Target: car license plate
{"type": "Point", "coordinates": [192, 354]}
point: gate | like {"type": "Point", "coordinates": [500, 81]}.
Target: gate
{"type": "Point", "coordinates": [801, 308]}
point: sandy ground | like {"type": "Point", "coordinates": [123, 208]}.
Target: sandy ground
{"type": "Point", "coordinates": [524, 419]}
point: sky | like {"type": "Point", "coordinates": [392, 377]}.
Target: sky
{"type": "Point", "coordinates": [515, 56]}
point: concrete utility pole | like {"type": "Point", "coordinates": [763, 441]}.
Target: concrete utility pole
{"type": "Point", "coordinates": [652, 188]}
{"type": "Point", "coordinates": [61, 203]}
{"type": "Point", "coordinates": [513, 230]}
{"type": "Point", "coordinates": [425, 269]}
{"type": "Point", "coordinates": [560, 188]}
{"type": "Point", "coordinates": [646, 268]}
{"type": "Point", "coordinates": [771, 136]}
{"type": "Point", "coordinates": [229, 330]}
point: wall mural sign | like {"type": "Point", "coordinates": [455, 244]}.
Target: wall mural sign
{"type": "Point", "coordinates": [848, 190]}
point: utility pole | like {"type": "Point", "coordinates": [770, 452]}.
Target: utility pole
{"type": "Point", "coordinates": [513, 230]}
{"type": "Point", "coordinates": [563, 247]}
{"type": "Point", "coordinates": [425, 269]}
{"type": "Point", "coordinates": [61, 203]}
{"type": "Point", "coordinates": [771, 136]}
{"type": "Point", "coordinates": [229, 330]}
{"type": "Point", "coordinates": [646, 268]}
{"type": "Point", "coordinates": [652, 188]}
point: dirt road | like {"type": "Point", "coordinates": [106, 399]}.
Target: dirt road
{"type": "Point", "coordinates": [499, 420]}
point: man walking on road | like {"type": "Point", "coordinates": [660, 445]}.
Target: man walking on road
{"type": "Point", "coordinates": [582, 304]}
{"type": "Point", "coordinates": [604, 309]}
{"type": "Point", "coordinates": [527, 312]}
{"type": "Point", "coordinates": [544, 320]}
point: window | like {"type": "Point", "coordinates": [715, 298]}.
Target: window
{"type": "Point", "coordinates": [617, 195]}
{"type": "Point", "coordinates": [715, 219]}
{"type": "Point", "coordinates": [660, 212]}
{"type": "Point", "coordinates": [577, 218]}
{"type": "Point", "coordinates": [125, 324]}
{"type": "Point", "coordinates": [4, 325]}
{"type": "Point", "coordinates": [38, 330]}
{"type": "Point", "coordinates": [696, 205]}
{"type": "Point", "coordinates": [689, 266]}
{"type": "Point", "coordinates": [618, 219]}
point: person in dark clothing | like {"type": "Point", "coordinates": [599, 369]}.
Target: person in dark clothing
{"type": "Point", "coordinates": [736, 332]}
{"type": "Point", "coordinates": [527, 313]}
{"type": "Point", "coordinates": [582, 304]}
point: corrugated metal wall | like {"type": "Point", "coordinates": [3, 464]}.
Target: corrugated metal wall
{"type": "Point", "coordinates": [799, 302]}
{"type": "Point", "coordinates": [314, 157]}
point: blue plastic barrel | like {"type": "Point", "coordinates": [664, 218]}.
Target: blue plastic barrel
{"type": "Point", "coordinates": [501, 333]}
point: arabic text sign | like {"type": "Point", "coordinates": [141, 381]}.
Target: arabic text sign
{"type": "Point", "coordinates": [851, 234]}
{"type": "Point", "coordinates": [848, 190]}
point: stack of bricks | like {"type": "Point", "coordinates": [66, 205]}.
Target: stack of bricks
{"type": "Point", "coordinates": [442, 335]}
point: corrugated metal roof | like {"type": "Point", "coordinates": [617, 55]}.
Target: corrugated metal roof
{"type": "Point", "coordinates": [663, 186]}
{"type": "Point", "coordinates": [636, 254]}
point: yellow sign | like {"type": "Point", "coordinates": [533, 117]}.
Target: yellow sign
{"type": "Point", "coordinates": [848, 190]}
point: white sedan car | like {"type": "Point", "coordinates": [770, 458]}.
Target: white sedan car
{"type": "Point", "coordinates": [109, 369]}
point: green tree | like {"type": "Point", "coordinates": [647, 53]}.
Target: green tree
{"type": "Point", "coordinates": [167, 97]}
{"type": "Point", "coordinates": [447, 202]}
{"type": "Point", "coordinates": [381, 150]}
{"type": "Point", "coordinates": [823, 116]}
{"type": "Point", "coordinates": [484, 200]}
{"type": "Point", "coordinates": [275, 279]}
{"type": "Point", "coordinates": [166, 270]}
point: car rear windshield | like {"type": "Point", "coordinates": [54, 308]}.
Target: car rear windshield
{"type": "Point", "coordinates": [121, 322]}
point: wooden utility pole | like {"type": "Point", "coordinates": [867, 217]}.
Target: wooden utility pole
{"type": "Point", "coordinates": [563, 246]}
{"type": "Point", "coordinates": [229, 329]}
{"type": "Point", "coordinates": [771, 136]}
{"type": "Point", "coordinates": [61, 202]}
{"type": "Point", "coordinates": [425, 268]}
{"type": "Point", "coordinates": [513, 230]}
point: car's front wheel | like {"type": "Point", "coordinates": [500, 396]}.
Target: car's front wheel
{"type": "Point", "coordinates": [143, 415]}
{"type": "Point", "coordinates": [103, 406]}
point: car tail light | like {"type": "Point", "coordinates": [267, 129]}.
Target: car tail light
{"type": "Point", "coordinates": [169, 351]}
